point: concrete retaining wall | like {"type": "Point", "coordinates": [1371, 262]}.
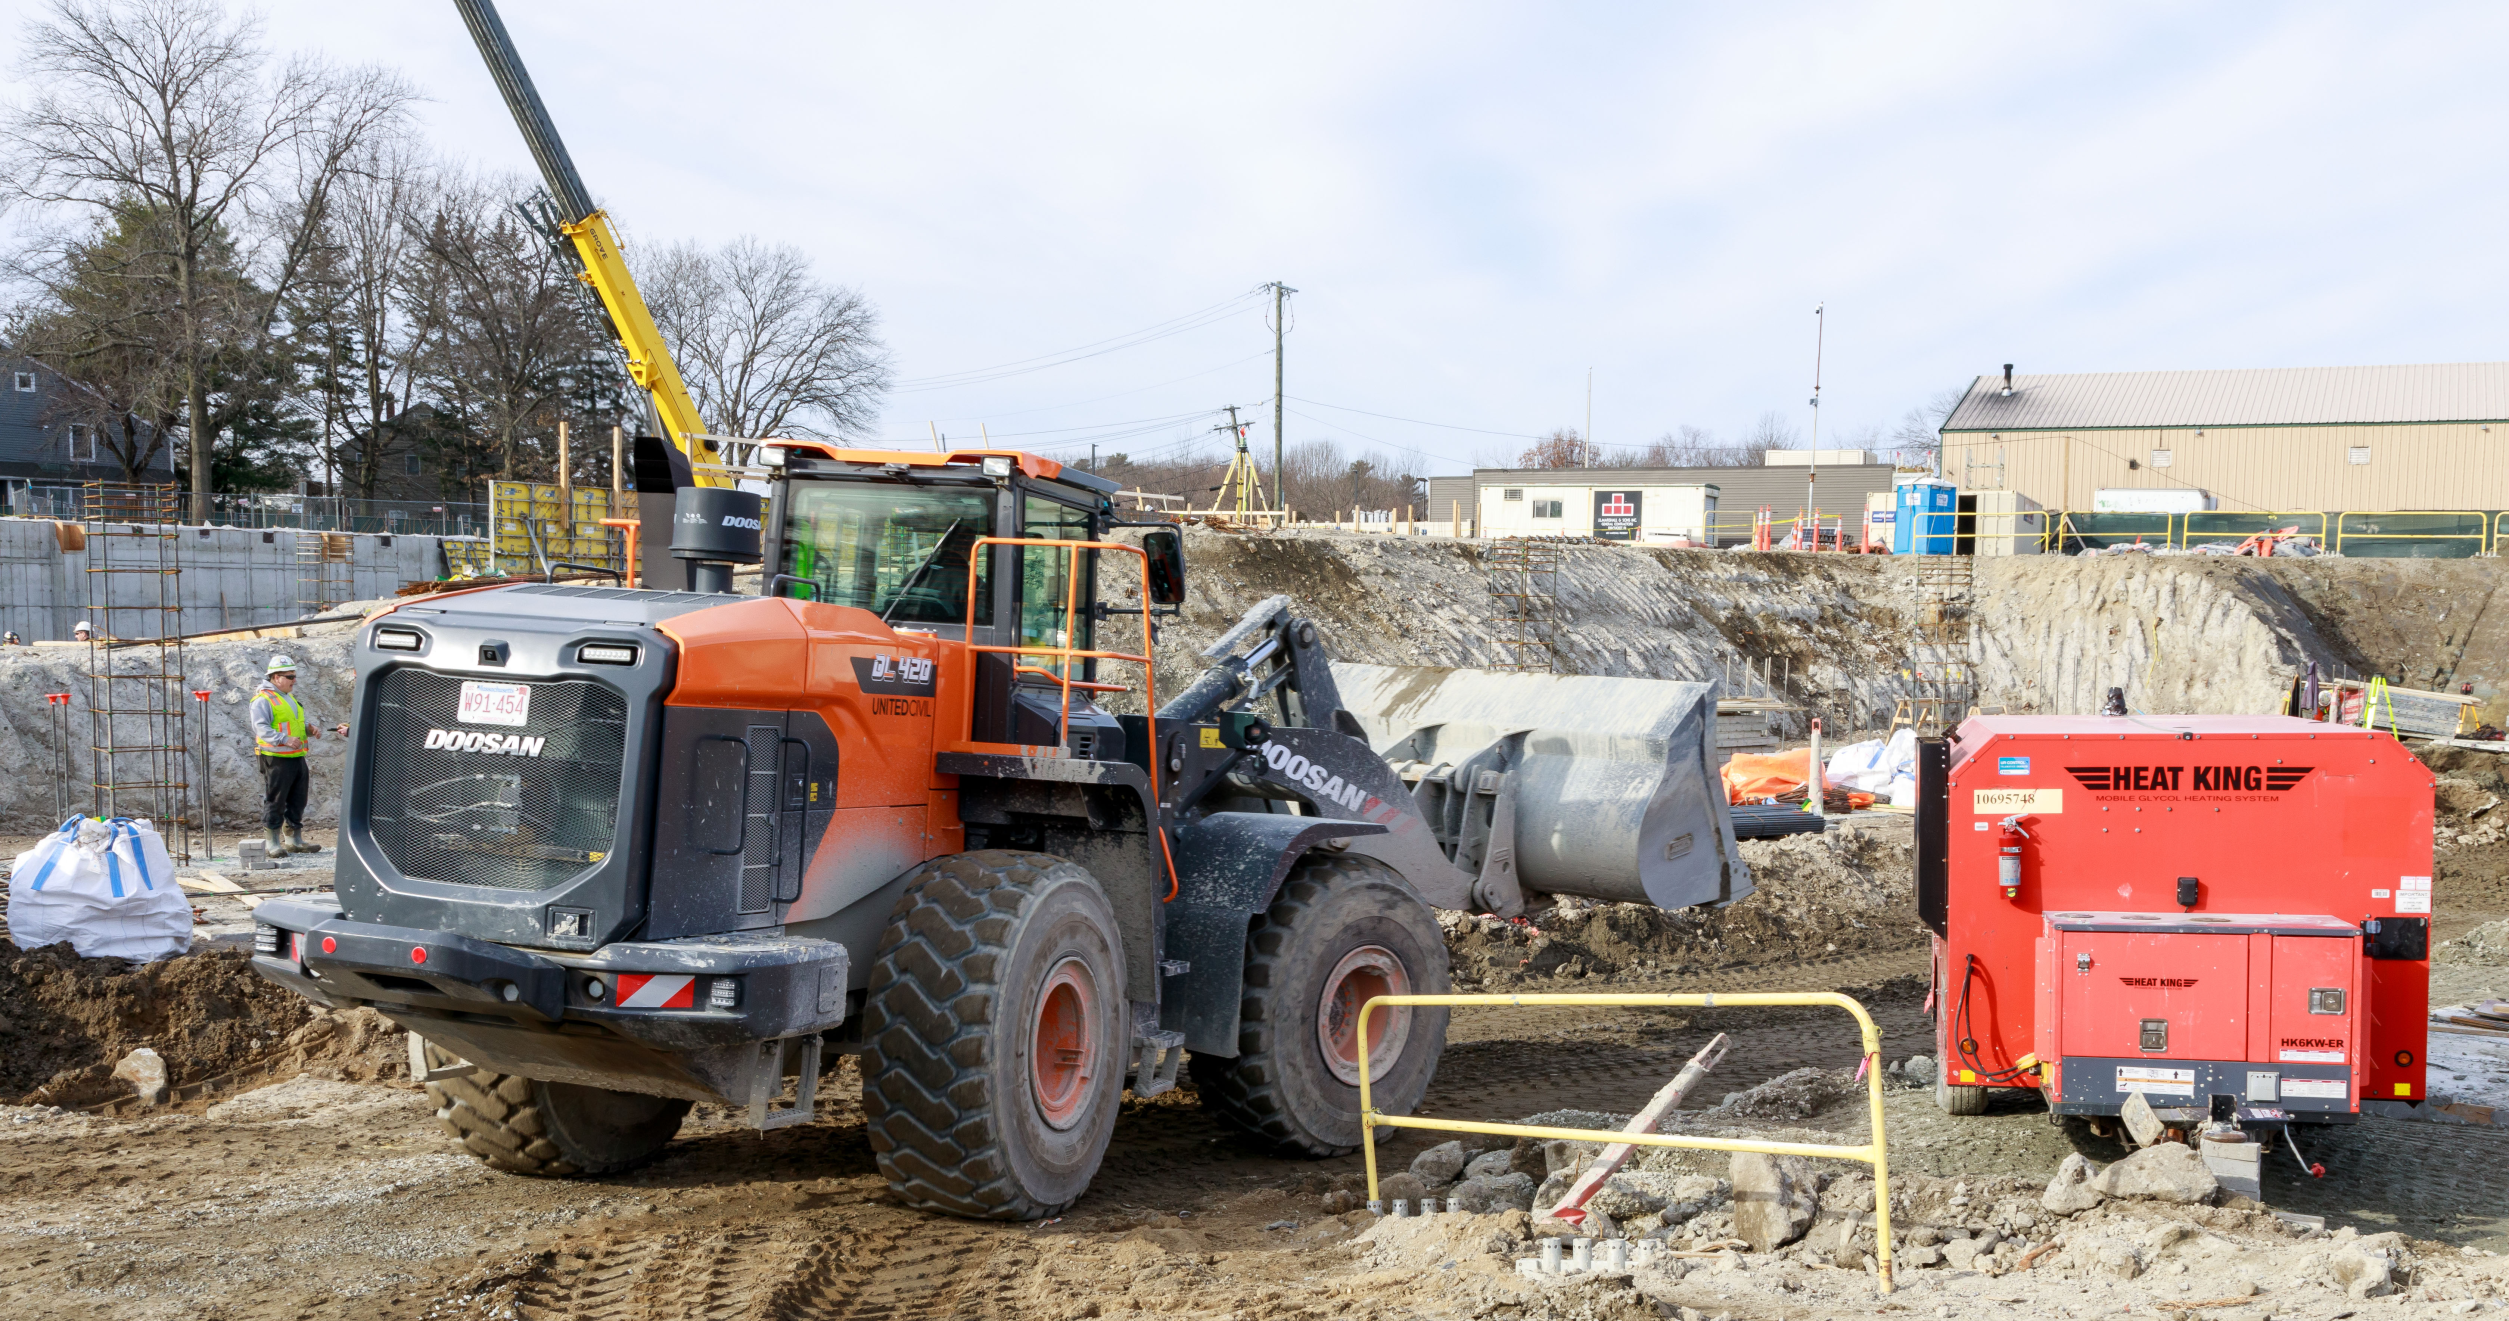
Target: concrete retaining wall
{"type": "Point", "coordinates": [231, 578]}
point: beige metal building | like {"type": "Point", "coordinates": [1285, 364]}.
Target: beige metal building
{"type": "Point", "coordinates": [2277, 439]}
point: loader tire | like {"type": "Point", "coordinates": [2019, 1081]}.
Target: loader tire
{"type": "Point", "coordinates": [553, 1129]}
{"type": "Point", "coordinates": [996, 1036]}
{"type": "Point", "coordinates": [1341, 929]}
{"type": "Point", "coordinates": [1954, 1100]}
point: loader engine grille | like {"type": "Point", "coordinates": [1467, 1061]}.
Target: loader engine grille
{"type": "Point", "coordinates": [522, 807]}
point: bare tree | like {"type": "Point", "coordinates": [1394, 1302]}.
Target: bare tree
{"type": "Point", "coordinates": [164, 105]}
{"type": "Point", "coordinates": [765, 348]}
{"type": "Point", "coordinates": [1920, 431]}
{"type": "Point", "coordinates": [1772, 432]}
{"type": "Point", "coordinates": [513, 344]}
{"type": "Point", "coordinates": [1563, 448]}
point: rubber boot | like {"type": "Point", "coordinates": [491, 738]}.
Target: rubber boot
{"type": "Point", "coordinates": [278, 847]}
{"type": "Point", "coordinates": [296, 841]}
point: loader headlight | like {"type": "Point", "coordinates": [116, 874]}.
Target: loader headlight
{"type": "Point", "coordinates": [398, 639]}
{"type": "Point", "coordinates": [997, 465]}
{"type": "Point", "coordinates": [606, 653]}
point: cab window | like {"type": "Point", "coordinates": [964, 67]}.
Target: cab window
{"type": "Point", "coordinates": [896, 550]}
{"type": "Point", "coordinates": [1045, 579]}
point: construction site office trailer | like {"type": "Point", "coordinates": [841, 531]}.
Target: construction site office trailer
{"type": "Point", "coordinates": [1614, 511]}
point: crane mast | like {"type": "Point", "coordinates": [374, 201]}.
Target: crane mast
{"type": "Point", "coordinates": [596, 247]}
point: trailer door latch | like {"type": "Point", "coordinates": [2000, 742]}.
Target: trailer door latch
{"type": "Point", "coordinates": [2155, 1034]}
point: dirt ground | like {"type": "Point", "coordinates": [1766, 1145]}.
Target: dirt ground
{"type": "Point", "coordinates": [298, 1174]}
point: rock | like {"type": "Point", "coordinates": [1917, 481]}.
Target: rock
{"type": "Point", "coordinates": [2071, 1191]}
{"type": "Point", "coordinates": [2107, 1256]}
{"type": "Point", "coordinates": [2169, 1172]}
{"type": "Point", "coordinates": [1342, 1199]}
{"type": "Point", "coordinates": [2362, 1271]}
{"type": "Point", "coordinates": [1918, 1256]}
{"type": "Point", "coordinates": [1490, 1164]}
{"type": "Point", "coordinates": [1707, 1190]}
{"type": "Point", "coordinates": [2163, 1237]}
{"type": "Point", "coordinates": [2141, 1124]}
{"type": "Point", "coordinates": [1570, 1156]}
{"type": "Point", "coordinates": [1624, 1201]}
{"type": "Point", "coordinates": [1962, 1253]}
{"type": "Point", "coordinates": [1925, 1236]}
{"type": "Point", "coordinates": [1775, 1198]}
{"type": "Point", "coordinates": [1917, 1069]}
{"type": "Point", "coordinates": [1404, 1187]}
{"type": "Point", "coordinates": [145, 1071]}
{"type": "Point", "coordinates": [1552, 1189]}
{"type": "Point", "coordinates": [1530, 1157]}
{"type": "Point", "coordinates": [1470, 1195]}
{"type": "Point", "coordinates": [1509, 1191]}
{"type": "Point", "coordinates": [1439, 1165]}
{"type": "Point", "coordinates": [1797, 1095]}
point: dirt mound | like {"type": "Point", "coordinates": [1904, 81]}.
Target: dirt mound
{"type": "Point", "coordinates": [1816, 896]}
{"type": "Point", "coordinates": [65, 1021]}
{"type": "Point", "coordinates": [1800, 1094]}
{"type": "Point", "coordinates": [2486, 946]}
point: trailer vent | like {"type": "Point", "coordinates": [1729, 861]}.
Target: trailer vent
{"type": "Point", "coordinates": [525, 807]}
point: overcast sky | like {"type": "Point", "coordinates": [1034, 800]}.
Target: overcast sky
{"type": "Point", "coordinates": [1478, 204]}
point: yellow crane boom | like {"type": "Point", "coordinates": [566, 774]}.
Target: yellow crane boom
{"type": "Point", "coordinates": [597, 248]}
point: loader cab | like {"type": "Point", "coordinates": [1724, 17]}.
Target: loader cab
{"type": "Point", "coordinates": [897, 534]}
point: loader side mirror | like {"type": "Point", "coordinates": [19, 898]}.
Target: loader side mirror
{"type": "Point", "coordinates": [1164, 549]}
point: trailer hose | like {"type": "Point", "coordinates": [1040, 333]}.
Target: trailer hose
{"type": "Point", "coordinates": [1964, 1041]}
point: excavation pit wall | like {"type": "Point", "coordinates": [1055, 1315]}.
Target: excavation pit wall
{"type": "Point", "coordinates": [2044, 634]}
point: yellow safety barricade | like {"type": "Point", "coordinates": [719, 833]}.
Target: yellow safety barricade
{"type": "Point", "coordinates": [2354, 525]}
{"type": "Point", "coordinates": [1875, 1153]}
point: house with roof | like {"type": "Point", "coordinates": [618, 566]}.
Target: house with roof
{"type": "Point", "coordinates": [48, 433]}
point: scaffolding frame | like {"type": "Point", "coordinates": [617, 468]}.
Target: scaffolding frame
{"type": "Point", "coordinates": [139, 755]}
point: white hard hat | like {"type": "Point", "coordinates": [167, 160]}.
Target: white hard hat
{"type": "Point", "coordinates": [280, 665]}
{"type": "Point", "coordinates": [85, 625]}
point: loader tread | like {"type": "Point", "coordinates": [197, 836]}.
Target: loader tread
{"type": "Point", "coordinates": [505, 1120]}
{"type": "Point", "coordinates": [935, 1124]}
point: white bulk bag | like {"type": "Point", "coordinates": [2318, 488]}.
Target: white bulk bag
{"type": "Point", "coordinates": [107, 887]}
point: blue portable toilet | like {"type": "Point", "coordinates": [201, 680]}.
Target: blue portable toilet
{"type": "Point", "coordinates": [1928, 515]}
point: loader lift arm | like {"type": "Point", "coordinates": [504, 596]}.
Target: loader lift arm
{"type": "Point", "coordinates": [597, 249]}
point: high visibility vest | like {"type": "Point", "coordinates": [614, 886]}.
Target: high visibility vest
{"type": "Point", "coordinates": [289, 718]}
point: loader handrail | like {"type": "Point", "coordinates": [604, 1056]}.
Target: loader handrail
{"type": "Point", "coordinates": [1875, 1153]}
{"type": "Point", "coordinates": [1065, 655]}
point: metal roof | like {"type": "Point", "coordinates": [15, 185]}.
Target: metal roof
{"type": "Point", "coordinates": [2268, 396]}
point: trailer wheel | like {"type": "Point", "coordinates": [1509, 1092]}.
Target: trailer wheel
{"type": "Point", "coordinates": [1954, 1100]}
{"type": "Point", "coordinates": [1342, 929]}
{"type": "Point", "coordinates": [523, 1126]}
{"type": "Point", "coordinates": [996, 1036]}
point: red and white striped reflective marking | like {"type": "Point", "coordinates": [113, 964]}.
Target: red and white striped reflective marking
{"type": "Point", "coordinates": [644, 990]}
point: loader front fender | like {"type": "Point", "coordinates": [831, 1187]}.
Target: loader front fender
{"type": "Point", "coordinates": [1228, 867]}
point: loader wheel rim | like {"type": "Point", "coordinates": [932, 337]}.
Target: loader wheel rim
{"type": "Point", "coordinates": [1063, 1051]}
{"type": "Point", "coordinates": [1362, 975]}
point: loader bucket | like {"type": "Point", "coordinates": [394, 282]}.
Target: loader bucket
{"type": "Point", "coordinates": [1613, 781]}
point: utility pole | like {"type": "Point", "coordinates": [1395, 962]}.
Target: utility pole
{"type": "Point", "coordinates": [1812, 469]}
{"type": "Point", "coordinates": [1589, 446]}
{"type": "Point", "coordinates": [1280, 296]}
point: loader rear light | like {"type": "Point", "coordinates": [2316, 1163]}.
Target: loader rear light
{"type": "Point", "coordinates": [606, 653]}
{"type": "Point", "coordinates": [329, 945]}
{"type": "Point", "coordinates": [399, 639]}
{"type": "Point", "coordinates": [724, 994]}
{"type": "Point", "coordinates": [418, 954]}
{"type": "Point", "coordinates": [265, 938]}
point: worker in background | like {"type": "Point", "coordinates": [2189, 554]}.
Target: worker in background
{"type": "Point", "coordinates": [11, 639]}
{"type": "Point", "coordinates": [83, 633]}
{"type": "Point", "coordinates": [281, 734]}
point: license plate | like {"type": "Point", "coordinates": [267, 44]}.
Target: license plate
{"type": "Point", "coordinates": [495, 703]}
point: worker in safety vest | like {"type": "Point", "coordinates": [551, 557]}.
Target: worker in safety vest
{"type": "Point", "coordinates": [281, 734]}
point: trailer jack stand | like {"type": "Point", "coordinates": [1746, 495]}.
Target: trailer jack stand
{"type": "Point", "coordinates": [2316, 1171]}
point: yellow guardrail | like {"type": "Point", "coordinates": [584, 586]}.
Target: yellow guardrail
{"type": "Point", "coordinates": [2344, 526]}
{"type": "Point", "coordinates": [1875, 1153]}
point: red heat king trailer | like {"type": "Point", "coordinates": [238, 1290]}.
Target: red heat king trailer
{"type": "Point", "coordinates": [2227, 914]}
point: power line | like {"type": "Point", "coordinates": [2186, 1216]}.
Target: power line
{"type": "Point", "coordinates": [1077, 403]}
{"type": "Point", "coordinates": [1211, 315]}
